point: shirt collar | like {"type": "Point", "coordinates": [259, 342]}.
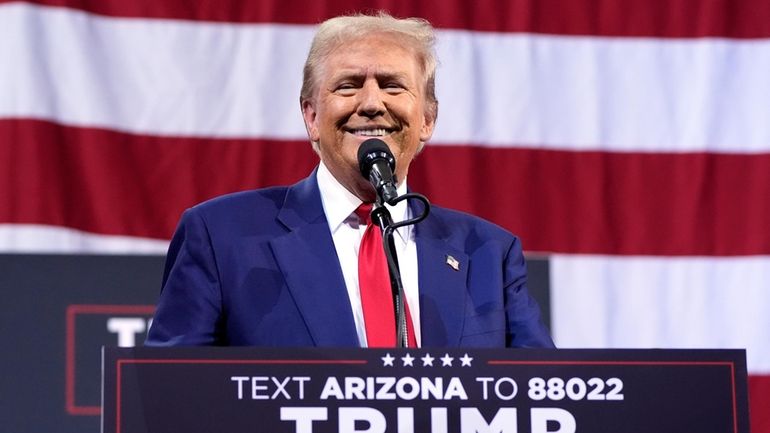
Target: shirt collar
{"type": "Point", "coordinates": [339, 203]}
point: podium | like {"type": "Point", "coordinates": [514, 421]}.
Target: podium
{"type": "Point", "coordinates": [304, 390]}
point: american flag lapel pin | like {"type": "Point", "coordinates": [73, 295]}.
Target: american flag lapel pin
{"type": "Point", "coordinates": [452, 262]}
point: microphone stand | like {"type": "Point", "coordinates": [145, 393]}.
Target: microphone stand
{"type": "Point", "coordinates": [381, 217]}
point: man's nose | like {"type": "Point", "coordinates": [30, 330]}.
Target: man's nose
{"type": "Point", "coordinates": [371, 103]}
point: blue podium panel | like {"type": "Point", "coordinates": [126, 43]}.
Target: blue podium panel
{"type": "Point", "coordinates": [234, 390]}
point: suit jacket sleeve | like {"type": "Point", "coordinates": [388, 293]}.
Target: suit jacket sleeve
{"type": "Point", "coordinates": [190, 305]}
{"type": "Point", "coordinates": [524, 325]}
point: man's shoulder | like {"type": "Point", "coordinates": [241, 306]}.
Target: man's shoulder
{"type": "Point", "coordinates": [454, 223]}
{"type": "Point", "coordinates": [252, 211]}
{"type": "Point", "coordinates": [251, 199]}
{"type": "Point", "coordinates": [262, 202]}
{"type": "Point", "coordinates": [251, 205]}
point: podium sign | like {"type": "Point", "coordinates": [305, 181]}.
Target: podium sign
{"type": "Point", "coordinates": [234, 390]}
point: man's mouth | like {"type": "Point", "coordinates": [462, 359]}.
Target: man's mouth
{"type": "Point", "coordinates": [370, 132]}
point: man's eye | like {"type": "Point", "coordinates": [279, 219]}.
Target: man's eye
{"type": "Point", "coordinates": [345, 89]}
{"type": "Point", "coordinates": [345, 86]}
{"type": "Point", "coordinates": [393, 87]}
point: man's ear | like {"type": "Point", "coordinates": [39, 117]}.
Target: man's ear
{"type": "Point", "coordinates": [429, 123]}
{"type": "Point", "coordinates": [309, 116]}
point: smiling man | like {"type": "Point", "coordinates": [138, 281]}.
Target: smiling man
{"type": "Point", "coordinates": [376, 84]}
{"type": "Point", "coordinates": [285, 266]}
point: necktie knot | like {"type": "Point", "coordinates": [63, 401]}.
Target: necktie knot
{"type": "Point", "coordinates": [364, 213]}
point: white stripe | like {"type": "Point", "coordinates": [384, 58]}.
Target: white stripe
{"type": "Point", "coordinates": [623, 94]}
{"type": "Point", "coordinates": [643, 302]}
{"type": "Point", "coordinates": [160, 77]}
{"type": "Point", "coordinates": [40, 239]}
{"type": "Point", "coordinates": [206, 79]}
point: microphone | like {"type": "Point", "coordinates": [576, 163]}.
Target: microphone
{"type": "Point", "coordinates": [377, 164]}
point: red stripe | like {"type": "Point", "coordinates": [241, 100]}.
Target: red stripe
{"type": "Point", "coordinates": [116, 183]}
{"type": "Point", "coordinates": [653, 18]}
{"type": "Point", "coordinates": [759, 403]}
{"type": "Point", "coordinates": [608, 203]}
{"type": "Point", "coordinates": [558, 201]}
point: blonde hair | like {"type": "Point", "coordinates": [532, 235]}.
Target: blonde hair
{"type": "Point", "coordinates": [336, 31]}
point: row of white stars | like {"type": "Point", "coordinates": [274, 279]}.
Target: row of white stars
{"type": "Point", "coordinates": [427, 360]}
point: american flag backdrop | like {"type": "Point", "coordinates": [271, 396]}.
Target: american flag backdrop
{"type": "Point", "coordinates": [629, 142]}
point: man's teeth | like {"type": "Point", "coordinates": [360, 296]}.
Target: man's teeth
{"type": "Point", "coordinates": [371, 132]}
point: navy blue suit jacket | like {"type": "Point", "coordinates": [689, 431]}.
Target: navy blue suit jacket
{"type": "Point", "coordinates": [259, 268]}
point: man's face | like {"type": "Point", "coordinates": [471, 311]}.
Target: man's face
{"type": "Point", "coordinates": [372, 87]}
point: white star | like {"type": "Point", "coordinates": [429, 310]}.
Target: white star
{"type": "Point", "coordinates": [408, 360]}
{"type": "Point", "coordinates": [466, 360]}
{"type": "Point", "coordinates": [387, 360]}
{"type": "Point", "coordinates": [446, 360]}
{"type": "Point", "coordinates": [427, 360]}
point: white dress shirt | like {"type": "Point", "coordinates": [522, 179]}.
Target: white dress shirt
{"type": "Point", "coordinates": [339, 205]}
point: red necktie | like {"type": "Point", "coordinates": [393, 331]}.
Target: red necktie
{"type": "Point", "coordinates": [374, 285]}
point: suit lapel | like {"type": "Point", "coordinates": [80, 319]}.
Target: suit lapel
{"type": "Point", "coordinates": [443, 292]}
{"type": "Point", "coordinates": [308, 261]}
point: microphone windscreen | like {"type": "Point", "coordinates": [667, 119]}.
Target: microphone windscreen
{"type": "Point", "coordinates": [372, 150]}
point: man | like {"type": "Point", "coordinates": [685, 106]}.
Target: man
{"type": "Point", "coordinates": [279, 266]}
